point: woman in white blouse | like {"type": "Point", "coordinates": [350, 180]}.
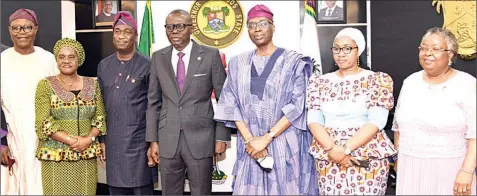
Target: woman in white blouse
{"type": "Point", "coordinates": [435, 126]}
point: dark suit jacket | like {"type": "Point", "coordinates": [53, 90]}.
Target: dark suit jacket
{"type": "Point", "coordinates": [336, 14]}
{"type": "Point", "coordinates": [3, 47]}
{"type": "Point", "coordinates": [101, 17]}
{"type": "Point", "coordinates": [169, 111]}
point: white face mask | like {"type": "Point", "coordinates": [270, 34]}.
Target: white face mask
{"type": "Point", "coordinates": [266, 162]}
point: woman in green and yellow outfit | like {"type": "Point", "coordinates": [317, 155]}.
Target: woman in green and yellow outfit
{"type": "Point", "coordinates": [70, 116]}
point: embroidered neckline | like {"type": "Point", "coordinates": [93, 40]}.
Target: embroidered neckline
{"type": "Point", "coordinates": [86, 94]}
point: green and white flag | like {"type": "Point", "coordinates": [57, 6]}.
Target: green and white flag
{"type": "Point", "coordinates": [309, 38]}
{"type": "Point", "coordinates": [147, 31]}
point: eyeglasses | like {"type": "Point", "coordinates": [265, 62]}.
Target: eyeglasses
{"type": "Point", "coordinates": [346, 49]}
{"type": "Point", "coordinates": [178, 27]}
{"type": "Point", "coordinates": [433, 50]}
{"type": "Point", "coordinates": [262, 24]}
{"type": "Point", "coordinates": [18, 29]}
{"type": "Point", "coordinates": [70, 58]}
{"type": "Point", "coordinates": [126, 32]}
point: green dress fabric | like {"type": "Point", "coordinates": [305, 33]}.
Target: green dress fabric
{"type": "Point", "coordinates": [64, 171]}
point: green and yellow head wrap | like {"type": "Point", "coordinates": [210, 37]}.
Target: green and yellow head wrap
{"type": "Point", "coordinates": [71, 43]}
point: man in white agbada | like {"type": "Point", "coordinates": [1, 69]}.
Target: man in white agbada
{"type": "Point", "coordinates": [22, 67]}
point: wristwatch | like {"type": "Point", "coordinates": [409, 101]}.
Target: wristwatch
{"type": "Point", "coordinates": [271, 134]}
{"type": "Point", "coordinates": [347, 150]}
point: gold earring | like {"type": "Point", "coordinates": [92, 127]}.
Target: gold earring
{"type": "Point", "coordinates": [358, 62]}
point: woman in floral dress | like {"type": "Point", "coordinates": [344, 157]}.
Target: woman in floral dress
{"type": "Point", "coordinates": [347, 110]}
{"type": "Point", "coordinates": [70, 116]}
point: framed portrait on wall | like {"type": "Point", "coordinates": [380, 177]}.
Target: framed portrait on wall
{"type": "Point", "coordinates": [104, 12]}
{"type": "Point", "coordinates": [130, 6]}
{"type": "Point", "coordinates": [331, 11]}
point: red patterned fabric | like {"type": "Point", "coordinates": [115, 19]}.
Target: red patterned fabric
{"type": "Point", "coordinates": [24, 14]}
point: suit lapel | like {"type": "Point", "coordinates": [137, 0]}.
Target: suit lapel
{"type": "Point", "coordinates": [167, 55]}
{"type": "Point", "coordinates": [196, 57]}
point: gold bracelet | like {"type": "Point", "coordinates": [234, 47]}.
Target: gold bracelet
{"type": "Point", "coordinates": [466, 171]}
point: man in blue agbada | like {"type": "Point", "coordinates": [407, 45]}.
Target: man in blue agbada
{"type": "Point", "coordinates": [264, 98]}
{"type": "Point", "coordinates": [124, 80]}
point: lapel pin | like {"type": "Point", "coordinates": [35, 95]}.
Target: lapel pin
{"type": "Point", "coordinates": [133, 81]}
{"type": "Point", "coordinates": [198, 58]}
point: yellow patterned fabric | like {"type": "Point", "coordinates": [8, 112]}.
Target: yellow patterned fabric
{"type": "Point", "coordinates": [71, 43]}
{"type": "Point", "coordinates": [69, 178]}
{"type": "Point", "coordinates": [57, 109]}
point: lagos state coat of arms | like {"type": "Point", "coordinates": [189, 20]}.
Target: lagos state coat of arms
{"type": "Point", "coordinates": [459, 17]}
{"type": "Point", "coordinates": [217, 23]}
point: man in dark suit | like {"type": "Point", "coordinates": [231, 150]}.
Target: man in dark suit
{"type": "Point", "coordinates": [106, 15]}
{"type": "Point", "coordinates": [331, 12]}
{"type": "Point", "coordinates": [180, 114]}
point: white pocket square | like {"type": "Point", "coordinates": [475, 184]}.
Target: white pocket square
{"type": "Point", "coordinates": [197, 75]}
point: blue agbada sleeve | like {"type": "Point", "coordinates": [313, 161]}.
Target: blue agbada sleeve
{"type": "Point", "coordinates": [228, 110]}
{"type": "Point", "coordinates": [295, 111]}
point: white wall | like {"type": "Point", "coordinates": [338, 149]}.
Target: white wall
{"type": "Point", "coordinates": [68, 23]}
{"type": "Point", "coordinates": [286, 18]}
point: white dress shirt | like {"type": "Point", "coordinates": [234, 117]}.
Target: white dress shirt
{"type": "Point", "coordinates": [175, 58]}
{"type": "Point", "coordinates": [106, 14]}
